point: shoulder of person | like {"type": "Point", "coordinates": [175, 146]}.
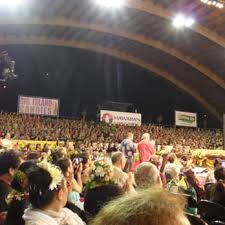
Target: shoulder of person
{"type": "Point", "coordinates": [72, 216]}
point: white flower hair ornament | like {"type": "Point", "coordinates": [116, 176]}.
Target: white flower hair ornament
{"type": "Point", "coordinates": [55, 173]}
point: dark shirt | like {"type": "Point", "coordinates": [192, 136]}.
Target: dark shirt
{"type": "Point", "coordinates": [97, 197]}
{"type": "Point", "coordinates": [5, 189]}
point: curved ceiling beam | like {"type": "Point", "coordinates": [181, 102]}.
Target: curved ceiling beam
{"type": "Point", "coordinates": [122, 33]}
{"type": "Point", "coordinates": [12, 40]}
{"type": "Point", "coordinates": [157, 10]}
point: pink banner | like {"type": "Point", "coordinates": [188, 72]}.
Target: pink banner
{"type": "Point", "coordinates": [38, 106]}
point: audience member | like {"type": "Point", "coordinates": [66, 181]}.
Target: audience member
{"type": "Point", "coordinates": [150, 207]}
{"type": "Point", "coordinates": [48, 193]}
{"type": "Point", "coordinates": [9, 163]}
{"type": "Point", "coordinates": [146, 176]}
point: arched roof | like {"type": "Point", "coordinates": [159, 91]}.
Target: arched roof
{"type": "Point", "coordinates": [140, 33]}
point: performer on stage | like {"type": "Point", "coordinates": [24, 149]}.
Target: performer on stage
{"type": "Point", "coordinates": [145, 148]}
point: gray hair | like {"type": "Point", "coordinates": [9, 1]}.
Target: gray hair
{"type": "Point", "coordinates": [145, 136]}
{"type": "Point", "coordinates": [146, 175]}
{"type": "Point", "coordinates": [116, 156]}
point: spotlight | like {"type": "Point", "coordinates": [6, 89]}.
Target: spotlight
{"type": "Point", "coordinates": [189, 22]}
{"type": "Point", "coordinates": [110, 3]}
{"type": "Point", "coordinates": [181, 21]}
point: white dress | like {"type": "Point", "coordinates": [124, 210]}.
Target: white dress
{"type": "Point", "coordinates": [39, 217]}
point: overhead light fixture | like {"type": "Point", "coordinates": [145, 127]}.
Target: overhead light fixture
{"type": "Point", "coordinates": [110, 3]}
{"type": "Point", "coordinates": [181, 21]}
{"type": "Point", "coordinates": [215, 3]}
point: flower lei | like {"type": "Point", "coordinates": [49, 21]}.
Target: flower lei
{"type": "Point", "coordinates": [20, 176]}
{"type": "Point", "coordinates": [55, 173]}
{"type": "Point", "coordinates": [100, 173]}
{"type": "Point", "coordinates": [16, 196]}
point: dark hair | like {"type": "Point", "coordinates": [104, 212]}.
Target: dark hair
{"type": "Point", "coordinates": [15, 212]}
{"type": "Point", "coordinates": [218, 191]}
{"type": "Point", "coordinates": [56, 156]}
{"type": "Point", "coordinates": [63, 164]}
{"type": "Point", "coordinates": [16, 207]}
{"type": "Point", "coordinates": [85, 157]}
{"type": "Point", "coordinates": [39, 193]}
{"type": "Point", "coordinates": [25, 168]}
{"type": "Point", "coordinates": [9, 159]}
{"type": "Point", "coordinates": [219, 174]}
{"type": "Point", "coordinates": [33, 156]}
{"type": "Point", "coordinates": [217, 163]}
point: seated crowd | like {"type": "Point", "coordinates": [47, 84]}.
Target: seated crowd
{"type": "Point", "coordinates": [58, 186]}
{"type": "Point", "coordinates": [27, 127]}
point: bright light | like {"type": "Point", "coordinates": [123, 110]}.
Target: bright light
{"type": "Point", "coordinates": [179, 21]}
{"type": "Point", "coordinates": [110, 3]}
{"type": "Point", "coordinates": [182, 21]}
{"type": "Point", "coordinates": [189, 22]}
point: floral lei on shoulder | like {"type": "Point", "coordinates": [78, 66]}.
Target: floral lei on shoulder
{"type": "Point", "coordinates": [15, 195]}
{"type": "Point", "coordinates": [100, 173]}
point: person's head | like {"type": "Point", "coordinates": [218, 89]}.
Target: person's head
{"type": "Point", "coordinates": [149, 207]}
{"type": "Point", "coordinates": [20, 179]}
{"type": "Point", "coordinates": [220, 174]}
{"type": "Point", "coordinates": [146, 137]}
{"type": "Point", "coordinates": [217, 163]}
{"type": "Point", "coordinates": [33, 155]}
{"type": "Point", "coordinates": [156, 160]}
{"type": "Point", "coordinates": [56, 156]}
{"type": "Point", "coordinates": [38, 147]}
{"type": "Point", "coordinates": [10, 160]}
{"type": "Point", "coordinates": [8, 136]}
{"type": "Point", "coordinates": [171, 157]}
{"type": "Point", "coordinates": [184, 160]}
{"type": "Point", "coordinates": [130, 136]}
{"type": "Point", "coordinates": [47, 187]}
{"type": "Point", "coordinates": [118, 160]}
{"type": "Point", "coordinates": [147, 175]}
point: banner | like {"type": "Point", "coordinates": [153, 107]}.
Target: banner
{"type": "Point", "coordinates": [38, 106]}
{"type": "Point", "coordinates": [114, 117]}
{"type": "Point", "coordinates": [185, 119]}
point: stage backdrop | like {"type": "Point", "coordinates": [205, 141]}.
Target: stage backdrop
{"type": "Point", "coordinates": [185, 119]}
{"type": "Point", "coordinates": [114, 117]}
{"type": "Point", "coordinates": [38, 106]}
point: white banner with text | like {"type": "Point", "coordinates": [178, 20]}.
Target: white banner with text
{"type": "Point", "coordinates": [38, 106]}
{"type": "Point", "coordinates": [114, 117]}
{"type": "Point", "coordinates": [185, 119]}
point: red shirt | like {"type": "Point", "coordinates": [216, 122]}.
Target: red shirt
{"type": "Point", "coordinates": [146, 150]}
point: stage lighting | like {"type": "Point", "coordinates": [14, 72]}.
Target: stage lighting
{"type": "Point", "coordinates": [110, 3]}
{"type": "Point", "coordinates": [189, 22]}
{"type": "Point", "coordinates": [181, 21]}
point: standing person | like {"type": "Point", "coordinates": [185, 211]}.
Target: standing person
{"type": "Point", "coordinates": [145, 148]}
{"type": "Point", "coordinates": [128, 149]}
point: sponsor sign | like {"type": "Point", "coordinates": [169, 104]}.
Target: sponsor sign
{"type": "Point", "coordinates": [185, 119]}
{"type": "Point", "coordinates": [38, 106]}
{"type": "Point", "coordinates": [114, 117]}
